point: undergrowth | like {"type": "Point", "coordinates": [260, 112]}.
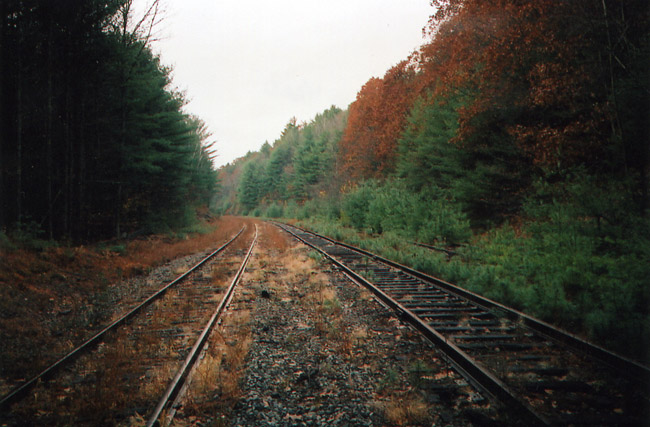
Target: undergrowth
{"type": "Point", "coordinates": [556, 270]}
{"type": "Point", "coordinates": [74, 290]}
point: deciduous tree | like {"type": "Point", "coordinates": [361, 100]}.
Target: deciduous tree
{"type": "Point", "coordinates": [376, 119]}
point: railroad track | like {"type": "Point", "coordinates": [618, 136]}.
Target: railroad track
{"type": "Point", "coordinates": [545, 376]}
{"type": "Point", "coordinates": [173, 395]}
{"type": "Point", "coordinates": [121, 371]}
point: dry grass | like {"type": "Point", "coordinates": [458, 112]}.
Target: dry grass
{"type": "Point", "coordinates": [181, 268]}
{"type": "Point", "coordinates": [326, 299]}
{"type": "Point", "coordinates": [159, 249]}
{"type": "Point", "coordinates": [218, 272]}
{"type": "Point", "coordinates": [158, 378]}
{"type": "Point", "coordinates": [319, 297]}
{"type": "Point", "coordinates": [240, 318]}
{"type": "Point", "coordinates": [206, 375]}
{"type": "Point", "coordinates": [262, 275]}
{"type": "Point", "coordinates": [215, 386]}
{"type": "Point", "coordinates": [68, 279]}
{"type": "Point", "coordinates": [273, 238]}
{"type": "Point", "coordinates": [257, 275]}
{"type": "Point", "coordinates": [215, 383]}
{"type": "Point", "coordinates": [405, 411]}
{"type": "Point", "coordinates": [62, 284]}
{"type": "Point", "coordinates": [97, 399]}
{"type": "Point", "coordinates": [365, 295]}
{"type": "Point", "coordinates": [298, 267]}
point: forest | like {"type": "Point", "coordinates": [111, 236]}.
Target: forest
{"type": "Point", "coordinates": [518, 136]}
{"type": "Point", "coordinates": [94, 143]}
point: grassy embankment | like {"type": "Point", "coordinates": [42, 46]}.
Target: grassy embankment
{"type": "Point", "coordinates": [557, 275]}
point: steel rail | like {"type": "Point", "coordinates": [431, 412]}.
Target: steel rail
{"type": "Point", "coordinates": [463, 363]}
{"type": "Point", "coordinates": [627, 367]}
{"type": "Point", "coordinates": [449, 252]}
{"type": "Point", "coordinates": [182, 375]}
{"type": "Point", "coordinates": [20, 391]}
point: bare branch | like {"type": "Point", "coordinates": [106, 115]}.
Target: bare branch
{"type": "Point", "coordinates": [148, 19]}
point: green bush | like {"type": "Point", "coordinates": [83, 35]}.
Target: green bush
{"type": "Point", "coordinates": [274, 211]}
{"type": "Point", "coordinates": [561, 266]}
{"type": "Point", "coordinates": [5, 242]}
{"type": "Point", "coordinates": [27, 235]}
{"type": "Point", "coordinates": [356, 205]}
{"type": "Point", "coordinates": [391, 206]}
{"type": "Point", "coordinates": [291, 209]}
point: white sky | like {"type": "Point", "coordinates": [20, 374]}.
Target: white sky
{"type": "Point", "coordinates": [249, 66]}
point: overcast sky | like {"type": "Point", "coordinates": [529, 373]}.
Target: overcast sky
{"type": "Point", "coordinates": [248, 66]}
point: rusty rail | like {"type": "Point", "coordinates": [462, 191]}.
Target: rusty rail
{"type": "Point", "coordinates": [417, 299]}
{"type": "Point", "coordinates": [178, 383]}
{"type": "Point", "coordinates": [20, 392]}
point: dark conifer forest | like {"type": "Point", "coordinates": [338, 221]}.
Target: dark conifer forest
{"type": "Point", "coordinates": [518, 136]}
{"type": "Point", "coordinates": [93, 140]}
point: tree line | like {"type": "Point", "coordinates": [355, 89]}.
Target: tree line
{"type": "Point", "coordinates": [505, 95]}
{"type": "Point", "coordinates": [518, 131]}
{"type": "Point", "coordinates": [297, 168]}
{"type": "Point", "coordinates": [93, 139]}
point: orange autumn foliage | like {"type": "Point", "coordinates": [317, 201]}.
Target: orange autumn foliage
{"type": "Point", "coordinates": [376, 119]}
{"type": "Point", "coordinates": [536, 70]}
{"type": "Point", "coordinates": [534, 57]}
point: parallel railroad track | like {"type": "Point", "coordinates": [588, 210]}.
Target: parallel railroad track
{"type": "Point", "coordinates": [544, 375]}
{"type": "Point", "coordinates": [171, 398]}
{"type": "Point", "coordinates": [115, 374]}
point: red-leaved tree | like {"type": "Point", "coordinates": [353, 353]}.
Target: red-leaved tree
{"type": "Point", "coordinates": [377, 118]}
{"type": "Point", "coordinates": [548, 67]}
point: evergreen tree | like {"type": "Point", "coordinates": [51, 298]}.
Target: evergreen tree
{"type": "Point", "coordinates": [249, 188]}
{"type": "Point", "coordinates": [275, 178]}
{"type": "Point", "coordinates": [427, 157]}
{"type": "Point", "coordinates": [94, 142]}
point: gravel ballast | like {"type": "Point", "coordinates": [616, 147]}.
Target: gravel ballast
{"type": "Point", "coordinates": [324, 352]}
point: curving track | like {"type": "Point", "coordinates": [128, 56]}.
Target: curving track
{"type": "Point", "coordinates": [121, 371]}
{"type": "Point", "coordinates": [544, 375]}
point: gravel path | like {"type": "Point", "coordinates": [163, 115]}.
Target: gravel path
{"type": "Point", "coordinates": [324, 352]}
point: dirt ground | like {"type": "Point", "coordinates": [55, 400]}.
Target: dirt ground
{"type": "Point", "coordinates": [51, 300]}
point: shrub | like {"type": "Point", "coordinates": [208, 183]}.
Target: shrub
{"type": "Point", "coordinates": [28, 235]}
{"type": "Point", "coordinates": [274, 211]}
{"type": "Point", "coordinates": [5, 242]}
{"type": "Point", "coordinates": [425, 216]}
{"type": "Point", "coordinates": [356, 205]}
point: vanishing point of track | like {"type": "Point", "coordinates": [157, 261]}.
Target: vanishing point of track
{"type": "Point", "coordinates": [544, 375]}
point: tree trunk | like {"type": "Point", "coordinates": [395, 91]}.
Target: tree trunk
{"type": "Point", "coordinates": [80, 218]}
{"type": "Point", "coordinates": [50, 130]}
{"type": "Point", "coordinates": [19, 129]}
{"type": "Point", "coordinates": [68, 167]}
{"type": "Point", "coordinates": [120, 175]}
{"type": "Point", "coordinates": [3, 200]}
{"type": "Point", "coordinates": [126, 10]}
{"type": "Point", "coordinates": [615, 121]}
